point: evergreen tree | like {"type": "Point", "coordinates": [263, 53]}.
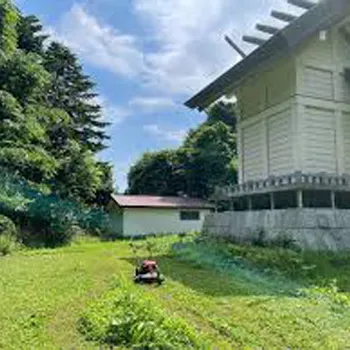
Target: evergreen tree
{"type": "Point", "coordinates": [72, 91]}
{"type": "Point", "coordinates": [30, 38]}
{"type": "Point", "coordinates": [50, 129]}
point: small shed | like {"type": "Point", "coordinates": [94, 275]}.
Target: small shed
{"type": "Point", "coordinates": [137, 215]}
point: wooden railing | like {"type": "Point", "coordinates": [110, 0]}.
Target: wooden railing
{"type": "Point", "coordinates": [298, 180]}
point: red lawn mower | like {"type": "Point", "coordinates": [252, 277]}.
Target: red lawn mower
{"type": "Point", "coordinates": [148, 272]}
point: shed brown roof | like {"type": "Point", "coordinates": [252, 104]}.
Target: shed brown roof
{"type": "Point", "coordinates": [139, 201]}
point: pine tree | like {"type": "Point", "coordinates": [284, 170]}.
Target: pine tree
{"type": "Point", "coordinates": [72, 91]}
{"type": "Point", "coordinates": [30, 38]}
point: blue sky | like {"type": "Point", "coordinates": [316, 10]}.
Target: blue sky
{"type": "Point", "coordinates": [147, 57]}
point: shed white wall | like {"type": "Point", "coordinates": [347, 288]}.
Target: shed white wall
{"type": "Point", "coordinates": [296, 115]}
{"type": "Point", "coordinates": [143, 221]}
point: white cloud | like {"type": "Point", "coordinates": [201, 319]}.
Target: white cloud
{"type": "Point", "coordinates": [188, 49]}
{"type": "Point", "coordinates": [190, 36]}
{"type": "Point", "coordinates": [99, 44]}
{"type": "Point", "coordinates": [111, 113]}
{"type": "Point", "coordinates": [150, 104]}
{"type": "Point", "coordinates": [167, 135]}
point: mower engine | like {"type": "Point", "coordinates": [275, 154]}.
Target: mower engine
{"type": "Point", "coordinates": [148, 272]}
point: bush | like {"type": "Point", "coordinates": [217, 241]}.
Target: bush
{"type": "Point", "coordinates": [7, 227]}
{"type": "Point", "coordinates": [52, 221]}
{"type": "Point", "coordinates": [126, 317]}
{"type": "Point", "coordinates": [259, 239]}
{"type": "Point", "coordinates": [7, 244]}
{"type": "Point", "coordinates": [47, 220]}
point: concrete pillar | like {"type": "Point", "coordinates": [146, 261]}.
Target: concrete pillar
{"type": "Point", "coordinates": [300, 198]}
{"type": "Point", "coordinates": [250, 204]}
{"type": "Point", "coordinates": [333, 200]}
{"type": "Point", "coordinates": [272, 201]}
{"type": "Point", "coordinates": [232, 206]}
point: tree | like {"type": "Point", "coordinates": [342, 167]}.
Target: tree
{"type": "Point", "coordinates": [156, 173]}
{"type": "Point", "coordinates": [78, 177]}
{"type": "Point", "coordinates": [223, 112]}
{"type": "Point", "coordinates": [102, 196]}
{"type": "Point", "coordinates": [21, 142]}
{"type": "Point", "coordinates": [72, 91]}
{"type": "Point", "coordinates": [23, 76]}
{"type": "Point", "coordinates": [9, 17]}
{"type": "Point", "coordinates": [210, 152]}
{"type": "Point", "coordinates": [206, 159]}
{"type": "Point", "coordinates": [30, 38]}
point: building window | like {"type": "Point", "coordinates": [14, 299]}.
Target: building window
{"type": "Point", "coordinates": [189, 216]}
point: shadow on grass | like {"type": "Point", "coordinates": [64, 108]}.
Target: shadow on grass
{"type": "Point", "coordinates": [210, 281]}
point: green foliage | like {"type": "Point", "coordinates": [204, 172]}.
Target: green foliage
{"type": "Point", "coordinates": [206, 159]}
{"type": "Point", "coordinates": [30, 38]}
{"type": "Point", "coordinates": [72, 91]}
{"type": "Point", "coordinates": [52, 221]}
{"type": "Point", "coordinates": [316, 268]}
{"type": "Point", "coordinates": [329, 293]}
{"type": "Point", "coordinates": [157, 173]}
{"type": "Point", "coordinates": [7, 244]}
{"type": "Point", "coordinates": [126, 317]}
{"type": "Point", "coordinates": [210, 151]}
{"type": "Point", "coordinates": [8, 235]}
{"type": "Point", "coordinates": [46, 219]}
{"type": "Point", "coordinates": [23, 76]}
{"type": "Point", "coordinates": [7, 227]}
{"type": "Point", "coordinates": [79, 177]}
{"type": "Point", "coordinates": [9, 17]}
{"type": "Point", "coordinates": [32, 162]}
{"type": "Point", "coordinates": [225, 113]}
{"type": "Point", "coordinates": [50, 127]}
{"type": "Point", "coordinates": [44, 292]}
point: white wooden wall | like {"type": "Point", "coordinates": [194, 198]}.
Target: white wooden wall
{"type": "Point", "coordinates": [280, 147]}
{"type": "Point", "coordinates": [296, 116]}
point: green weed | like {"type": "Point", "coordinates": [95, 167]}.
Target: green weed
{"type": "Point", "coordinates": [127, 317]}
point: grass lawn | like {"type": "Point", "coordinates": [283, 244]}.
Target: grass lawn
{"type": "Point", "coordinates": [43, 294]}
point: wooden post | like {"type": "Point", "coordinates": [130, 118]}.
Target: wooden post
{"type": "Point", "coordinates": [300, 199]}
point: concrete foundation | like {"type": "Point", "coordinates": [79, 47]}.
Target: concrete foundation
{"type": "Point", "coordinates": [313, 229]}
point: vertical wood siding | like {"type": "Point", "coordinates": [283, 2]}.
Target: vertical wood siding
{"type": "Point", "coordinates": [253, 151]}
{"type": "Point", "coordinates": [280, 148]}
{"type": "Point", "coordinates": [318, 83]}
{"type": "Point", "coordinates": [319, 141]}
{"type": "Point", "coordinates": [316, 51]}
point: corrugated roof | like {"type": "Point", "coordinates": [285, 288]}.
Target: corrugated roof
{"type": "Point", "coordinates": [137, 201]}
{"type": "Point", "coordinates": [321, 17]}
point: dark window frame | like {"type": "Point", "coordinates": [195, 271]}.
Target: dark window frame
{"type": "Point", "coordinates": [190, 215]}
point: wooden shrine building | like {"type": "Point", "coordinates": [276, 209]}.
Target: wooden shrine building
{"type": "Point", "coordinates": [293, 97]}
